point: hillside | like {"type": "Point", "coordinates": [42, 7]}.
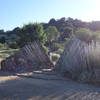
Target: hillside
{"type": "Point", "coordinates": [66, 27]}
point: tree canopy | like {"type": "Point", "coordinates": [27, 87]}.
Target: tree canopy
{"type": "Point", "coordinates": [55, 29]}
{"type": "Point", "coordinates": [52, 33]}
{"type": "Point", "coordinates": [87, 35]}
{"type": "Point", "coordinates": [31, 32]}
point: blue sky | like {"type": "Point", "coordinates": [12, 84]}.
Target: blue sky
{"type": "Point", "coordinates": [15, 13]}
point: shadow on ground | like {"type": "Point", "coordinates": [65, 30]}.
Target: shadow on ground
{"type": "Point", "coordinates": [24, 88]}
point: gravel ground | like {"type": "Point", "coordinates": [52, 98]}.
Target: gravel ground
{"type": "Point", "coordinates": [16, 87]}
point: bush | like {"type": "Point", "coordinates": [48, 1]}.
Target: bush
{"type": "Point", "coordinates": [45, 48]}
{"type": "Point", "coordinates": [87, 35]}
{"type": "Point", "coordinates": [2, 40]}
{"type": "Point", "coordinates": [66, 39]}
{"type": "Point", "coordinates": [12, 45]}
{"type": "Point", "coordinates": [83, 34]}
{"type": "Point", "coordinates": [55, 46]}
{"type": "Point", "coordinates": [2, 45]}
{"type": "Point", "coordinates": [30, 33]}
{"type": "Point", "coordinates": [59, 51]}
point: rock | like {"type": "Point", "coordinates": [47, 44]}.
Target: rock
{"type": "Point", "coordinates": [80, 59]}
{"type": "Point", "coordinates": [29, 57]}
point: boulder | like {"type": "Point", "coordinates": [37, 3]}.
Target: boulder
{"type": "Point", "coordinates": [79, 57]}
{"type": "Point", "coordinates": [29, 57]}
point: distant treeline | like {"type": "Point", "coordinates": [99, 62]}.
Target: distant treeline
{"type": "Point", "coordinates": [74, 23]}
{"type": "Point", "coordinates": [53, 31]}
{"type": "Point", "coordinates": [63, 25]}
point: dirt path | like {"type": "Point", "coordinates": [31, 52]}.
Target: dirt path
{"type": "Point", "coordinates": [30, 88]}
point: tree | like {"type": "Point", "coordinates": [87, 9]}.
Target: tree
{"type": "Point", "coordinates": [67, 33]}
{"type": "Point", "coordinates": [31, 32]}
{"type": "Point", "coordinates": [86, 35]}
{"type": "Point", "coordinates": [52, 21]}
{"type": "Point", "coordinates": [2, 40]}
{"type": "Point", "coordinates": [52, 33]}
{"type": "Point", "coordinates": [1, 31]}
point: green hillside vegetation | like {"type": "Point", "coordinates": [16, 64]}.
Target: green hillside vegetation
{"type": "Point", "coordinates": [6, 53]}
{"type": "Point", "coordinates": [52, 35]}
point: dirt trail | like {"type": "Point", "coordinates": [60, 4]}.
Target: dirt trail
{"type": "Point", "coordinates": [27, 87]}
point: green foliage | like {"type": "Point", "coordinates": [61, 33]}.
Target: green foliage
{"type": "Point", "coordinates": [96, 35]}
{"type": "Point", "coordinates": [52, 33]}
{"type": "Point", "coordinates": [59, 51]}
{"type": "Point", "coordinates": [12, 45]}
{"type": "Point", "coordinates": [56, 46]}
{"type": "Point", "coordinates": [67, 33]}
{"type": "Point", "coordinates": [45, 48]}
{"type": "Point", "coordinates": [30, 33]}
{"type": "Point", "coordinates": [86, 35]}
{"type": "Point", "coordinates": [2, 40]}
{"type": "Point", "coordinates": [62, 45]}
{"type": "Point", "coordinates": [12, 37]}
{"type": "Point", "coordinates": [66, 39]}
{"type": "Point", "coordinates": [2, 45]}
{"type": "Point", "coordinates": [7, 52]}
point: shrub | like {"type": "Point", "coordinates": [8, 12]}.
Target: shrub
{"type": "Point", "coordinates": [55, 46]}
{"type": "Point", "coordinates": [12, 45]}
{"type": "Point", "coordinates": [45, 48]}
{"type": "Point", "coordinates": [30, 33]}
{"type": "Point", "coordinates": [59, 51]}
{"type": "Point", "coordinates": [67, 39]}
{"type": "Point", "coordinates": [2, 39]}
{"type": "Point", "coordinates": [2, 45]}
{"type": "Point", "coordinates": [87, 35]}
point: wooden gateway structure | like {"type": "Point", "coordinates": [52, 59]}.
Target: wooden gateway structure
{"type": "Point", "coordinates": [79, 57]}
{"type": "Point", "coordinates": [29, 57]}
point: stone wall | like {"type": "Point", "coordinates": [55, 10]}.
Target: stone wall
{"type": "Point", "coordinates": [29, 57]}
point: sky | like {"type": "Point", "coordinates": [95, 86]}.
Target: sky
{"type": "Point", "coordinates": [16, 13]}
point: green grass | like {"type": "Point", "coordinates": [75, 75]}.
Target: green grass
{"type": "Point", "coordinates": [62, 45]}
